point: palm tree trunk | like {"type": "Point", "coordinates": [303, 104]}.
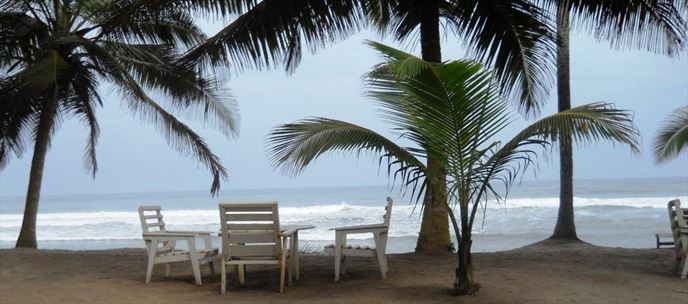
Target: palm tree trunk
{"type": "Point", "coordinates": [565, 227]}
{"type": "Point", "coordinates": [434, 228]}
{"type": "Point", "coordinates": [27, 234]}
{"type": "Point", "coordinates": [464, 283]}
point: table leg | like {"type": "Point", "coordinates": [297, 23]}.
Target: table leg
{"type": "Point", "coordinates": [296, 254]}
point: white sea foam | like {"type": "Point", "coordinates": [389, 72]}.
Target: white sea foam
{"type": "Point", "coordinates": [517, 216]}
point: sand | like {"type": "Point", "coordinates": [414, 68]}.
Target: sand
{"type": "Point", "coordinates": [539, 273]}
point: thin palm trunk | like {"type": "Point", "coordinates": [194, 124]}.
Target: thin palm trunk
{"type": "Point", "coordinates": [565, 227]}
{"type": "Point", "coordinates": [27, 234]}
{"type": "Point", "coordinates": [464, 283]}
{"type": "Point", "coordinates": [434, 230]}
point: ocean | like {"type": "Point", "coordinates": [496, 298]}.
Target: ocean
{"type": "Point", "coordinates": [615, 213]}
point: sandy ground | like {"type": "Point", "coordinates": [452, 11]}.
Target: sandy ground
{"type": "Point", "coordinates": [563, 273]}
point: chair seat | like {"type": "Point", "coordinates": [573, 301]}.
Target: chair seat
{"type": "Point", "coordinates": [353, 250]}
{"type": "Point", "coordinates": [201, 253]}
{"type": "Point", "coordinates": [254, 258]}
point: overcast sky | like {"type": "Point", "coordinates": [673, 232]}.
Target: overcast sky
{"type": "Point", "coordinates": [133, 157]}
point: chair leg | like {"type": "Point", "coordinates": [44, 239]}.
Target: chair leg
{"type": "Point", "coordinates": [212, 268]}
{"type": "Point", "coordinates": [223, 277]}
{"type": "Point", "coordinates": [152, 249]}
{"type": "Point", "coordinates": [296, 255]}
{"type": "Point", "coordinates": [290, 268]}
{"type": "Point", "coordinates": [283, 265]}
{"type": "Point", "coordinates": [380, 255]}
{"type": "Point", "coordinates": [168, 269]}
{"type": "Point", "coordinates": [337, 262]}
{"type": "Point", "coordinates": [241, 272]}
{"type": "Point", "coordinates": [193, 256]}
{"type": "Point", "coordinates": [384, 259]}
{"type": "Point", "coordinates": [381, 262]}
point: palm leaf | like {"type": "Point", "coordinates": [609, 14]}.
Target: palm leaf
{"type": "Point", "coordinates": [294, 146]}
{"type": "Point", "coordinates": [656, 26]}
{"type": "Point", "coordinates": [272, 31]}
{"type": "Point", "coordinates": [514, 38]}
{"type": "Point", "coordinates": [672, 136]}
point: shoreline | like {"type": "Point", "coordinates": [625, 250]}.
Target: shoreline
{"type": "Point", "coordinates": [483, 243]}
{"type": "Point", "coordinates": [537, 273]}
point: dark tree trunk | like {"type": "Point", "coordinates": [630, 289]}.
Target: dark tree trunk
{"type": "Point", "coordinates": [434, 229]}
{"type": "Point", "coordinates": [565, 227]}
{"type": "Point", "coordinates": [464, 283]}
{"type": "Point", "coordinates": [27, 234]}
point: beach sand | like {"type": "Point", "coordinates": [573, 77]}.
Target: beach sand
{"type": "Point", "coordinates": [539, 273]}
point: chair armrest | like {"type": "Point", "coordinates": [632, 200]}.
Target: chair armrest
{"type": "Point", "coordinates": [168, 235]}
{"type": "Point", "coordinates": [289, 232]}
{"type": "Point", "coordinates": [361, 228]}
{"type": "Point", "coordinates": [192, 232]}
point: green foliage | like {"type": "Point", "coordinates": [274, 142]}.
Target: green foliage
{"type": "Point", "coordinates": [657, 26]}
{"type": "Point", "coordinates": [134, 46]}
{"type": "Point", "coordinates": [453, 112]}
{"type": "Point", "coordinates": [672, 136]}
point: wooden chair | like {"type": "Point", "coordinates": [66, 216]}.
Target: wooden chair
{"type": "Point", "coordinates": [679, 228]}
{"type": "Point", "coordinates": [341, 250]}
{"type": "Point", "coordinates": [161, 244]}
{"type": "Point", "coordinates": [251, 235]}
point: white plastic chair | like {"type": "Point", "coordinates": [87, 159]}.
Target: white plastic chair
{"type": "Point", "coordinates": [251, 235]}
{"type": "Point", "coordinates": [679, 228]}
{"type": "Point", "coordinates": [161, 245]}
{"type": "Point", "coordinates": [341, 250]}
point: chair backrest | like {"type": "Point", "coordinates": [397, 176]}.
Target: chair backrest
{"type": "Point", "coordinates": [151, 219]}
{"type": "Point", "coordinates": [388, 211]}
{"type": "Point", "coordinates": [682, 218]}
{"type": "Point", "coordinates": [250, 230]}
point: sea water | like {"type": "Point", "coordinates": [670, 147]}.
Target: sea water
{"type": "Point", "coordinates": [618, 213]}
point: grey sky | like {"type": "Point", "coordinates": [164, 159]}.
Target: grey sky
{"type": "Point", "coordinates": [133, 157]}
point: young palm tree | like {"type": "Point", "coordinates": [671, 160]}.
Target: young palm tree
{"type": "Point", "coordinates": [452, 112]}
{"type": "Point", "coordinates": [672, 136]}
{"type": "Point", "coordinates": [54, 55]}
{"type": "Point", "coordinates": [657, 26]}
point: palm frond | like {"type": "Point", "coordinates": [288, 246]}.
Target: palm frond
{"type": "Point", "coordinates": [81, 103]}
{"type": "Point", "coordinates": [672, 136]}
{"type": "Point", "coordinates": [588, 123]}
{"type": "Point", "coordinates": [271, 33]}
{"type": "Point", "coordinates": [292, 147]}
{"type": "Point", "coordinates": [142, 22]}
{"type": "Point", "coordinates": [177, 134]}
{"type": "Point", "coordinates": [656, 26]}
{"type": "Point", "coordinates": [514, 39]}
{"type": "Point", "coordinates": [157, 68]}
{"type": "Point", "coordinates": [18, 117]}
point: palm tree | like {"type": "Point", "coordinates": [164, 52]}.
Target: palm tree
{"type": "Point", "coordinates": [653, 25]}
{"type": "Point", "coordinates": [511, 36]}
{"type": "Point", "coordinates": [451, 111]}
{"type": "Point", "coordinates": [672, 137]}
{"type": "Point", "coordinates": [54, 55]}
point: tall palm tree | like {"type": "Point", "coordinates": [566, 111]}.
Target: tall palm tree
{"type": "Point", "coordinates": [672, 136]}
{"type": "Point", "coordinates": [511, 36]}
{"type": "Point", "coordinates": [452, 112]}
{"type": "Point", "coordinates": [656, 26]}
{"type": "Point", "coordinates": [55, 54]}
